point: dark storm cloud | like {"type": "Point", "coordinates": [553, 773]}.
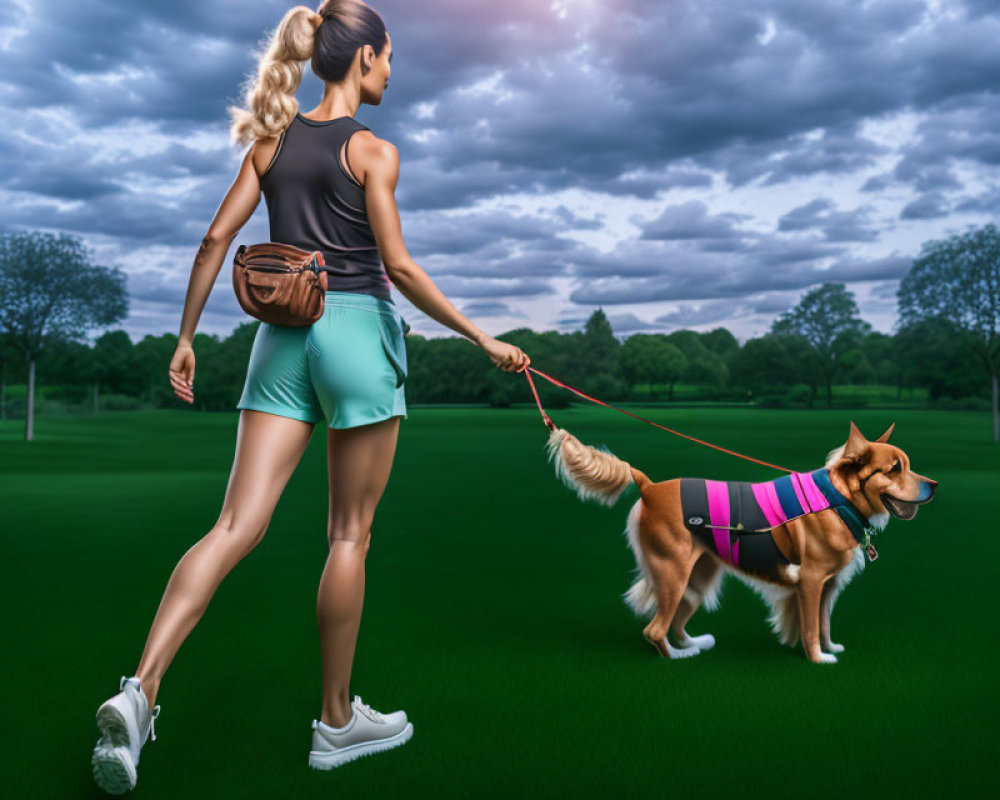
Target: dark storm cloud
{"type": "Point", "coordinates": [692, 314]}
{"type": "Point", "coordinates": [798, 154]}
{"type": "Point", "coordinates": [697, 314]}
{"type": "Point", "coordinates": [700, 277]}
{"type": "Point", "coordinates": [474, 287]}
{"type": "Point", "coordinates": [494, 245]}
{"type": "Point", "coordinates": [694, 81]}
{"type": "Point", "coordinates": [120, 132]}
{"type": "Point", "coordinates": [833, 152]}
{"type": "Point", "coordinates": [161, 293]}
{"type": "Point", "coordinates": [691, 220]}
{"type": "Point", "coordinates": [133, 218]}
{"type": "Point", "coordinates": [691, 80]}
{"type": "Point", "coordinates": [884, 290]}
{"type": "Point", "coordinates": [110, 61]}
{"type": "Point", "coordinates": [987, 202]}
{"type": "Point", "coordinates": [968, 132]}
{"type": "Point", "coordinates": [836, 226]}
{"type": "Point", "coordinates": [645, 184]}
{"type": "Point", "coordinates": [629, 323]}
{"type": "Point", "coordinates": [478, 231]}
{"type": "Point", "coordinates": [490, 308]}
{"type": "Point", "coordinates": [926, 206]}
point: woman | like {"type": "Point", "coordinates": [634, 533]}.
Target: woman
{"type": "Point", "coordinates": [347, 367]}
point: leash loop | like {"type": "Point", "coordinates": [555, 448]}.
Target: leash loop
{"type": "Point", "coordinates": [526, 369]}
{"type": "Point", "coordinates": [545, 417]}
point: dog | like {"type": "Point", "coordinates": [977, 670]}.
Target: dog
{"type": "Point", "coordinates": [796, 540]}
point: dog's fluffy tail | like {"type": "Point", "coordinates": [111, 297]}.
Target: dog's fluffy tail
{"type": "Point", "coordinates": [597, 474]}
{"type": "Point", "coordinates": [783, 603]}
{"type": "Point", "coordinates": [640, 596]}
{"type": "Point", "coordinates": [784, 619]}
{"type": "Point", "coordinates": [594, 474]}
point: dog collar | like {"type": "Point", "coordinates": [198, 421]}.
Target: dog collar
{"type": "Point", "coordinates": [856, 522]}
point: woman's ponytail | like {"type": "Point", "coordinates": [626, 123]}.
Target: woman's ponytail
{"type": "Point", "coordinates": [270, 95]}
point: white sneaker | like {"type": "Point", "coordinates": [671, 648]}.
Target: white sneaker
{"type": "Point", "coordinates": [125, 722]}
{"type": "Point", "coordinates": [367, 731]}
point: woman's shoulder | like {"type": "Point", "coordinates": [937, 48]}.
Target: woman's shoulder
{"type": "Point", "coordinates": [371, 152]}
{"type": "Point", "coordinates": [263, 151]}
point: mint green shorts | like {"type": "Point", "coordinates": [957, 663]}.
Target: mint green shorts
{"type": "Point", "coordinates": [348, 367]}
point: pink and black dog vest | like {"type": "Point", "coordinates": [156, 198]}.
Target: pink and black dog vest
{"type": "Point", "coordinates": [711, 508]}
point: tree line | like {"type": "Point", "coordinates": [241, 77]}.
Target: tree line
{"type": "Point", "coordinates": [946, 343]}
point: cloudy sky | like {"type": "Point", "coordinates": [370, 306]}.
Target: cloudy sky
{"type": "Point", "coordinates": [678, 163]}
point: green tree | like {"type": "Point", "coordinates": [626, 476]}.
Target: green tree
{"type": "Point", "coordinates": [207, 345]}
{"type": "Point", "coordinates": [504, 388]}
{"type": "Point", "coordinates": [857, 367]}
{"type": "Point", "coordinates": [153, 354]}
{"type": "Point", "coordinates": [114, 366]}
{"type": "Point", "coordinates": [70, 366]}
{"type": "Point", "coordinates": [776, 361]}
{"type": "Point", "coordinates": [958, 279]}
{"type": "Point", "coordinates": [704, 367]}
{"type": "Point", "coordinates": [932, 354]}
{"type": "Point", "coordinates": [880, 352]}
{"type": "Point", "coordinates": [50, 292]}
{"type": "Point", "coordinates": [721, 342]}
{"type": "Point", "coordinates": [223, 364]}
{"type": "Point", "coordinates": [650, 358]}
{"type": "Point", "coordinates": [827, 318]}
{"type": "Point", "coordinates": [599, 372]}
{"type": "Point", "coordinates": [7, 354]}
{"type": "Point", "coordinates": [555, 354]}
{"type": "Point", "coordinates": [446, 369]}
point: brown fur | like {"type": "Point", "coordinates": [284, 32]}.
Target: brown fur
{"type": "Point", "coordinates": [678, 574]}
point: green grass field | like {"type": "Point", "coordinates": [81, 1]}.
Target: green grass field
{"type": "Point", "coordinates": [493, 616]}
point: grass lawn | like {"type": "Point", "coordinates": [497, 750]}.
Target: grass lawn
{"type": "Point", "coordinates": [493, 616]}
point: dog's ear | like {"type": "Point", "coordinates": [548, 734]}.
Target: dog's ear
{"type": "Point", "coordinates": [855, 458]}
{"type": "Point", "coordinates": [856, 445]}
{"type": "Point", "coordinates": [885, 436]}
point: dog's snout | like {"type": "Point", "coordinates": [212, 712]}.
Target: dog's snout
{"type": "Point", "coordinates": [927, 488]}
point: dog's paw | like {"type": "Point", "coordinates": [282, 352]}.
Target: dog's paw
{"type": "Point", "coordinates": [827, 658]}
{"type": "Point", "coordinates": [681, 652]}
{"type": "Point", "coordinates": [833, 647]}
{"type": "Point", "coordinates": [703, 642]}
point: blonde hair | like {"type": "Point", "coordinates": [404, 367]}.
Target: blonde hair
{"type": "Point", "coordinates": [270, 94]}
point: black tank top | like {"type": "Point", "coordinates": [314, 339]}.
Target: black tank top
{"type": "Point", "coordinates": [313, 203]}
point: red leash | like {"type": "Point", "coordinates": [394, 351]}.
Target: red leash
{"type": "Point", "coordinates": [550, 424]}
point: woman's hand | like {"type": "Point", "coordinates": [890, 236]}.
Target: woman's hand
{"type": "Point", "coordinates": [182, 372]}
{"type": "Point", "coordinates": [506, 356]}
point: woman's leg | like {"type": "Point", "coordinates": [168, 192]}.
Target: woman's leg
{"type": "Point", "coordinates": [359, 463]}
{"type": "Point", "coordinates": [268, 449]}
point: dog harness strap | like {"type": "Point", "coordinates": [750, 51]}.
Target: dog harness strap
{"type": "Point", "coordinates": [800, 495]}
{"type": "Point", "coordinates": [718, 513]}
{"type": "Point", "coordinates": [855, 521]}
{"type": "Point", "coordinates": [784, 488]}
{"type": "Point", "coordinates": [727, 518]}
{"type": "Point", "coordinates": [735, 519]}
{"type": "Point", "coordinates": [815, 498]}
{"type": "Point", "coordinates": [767, 498]}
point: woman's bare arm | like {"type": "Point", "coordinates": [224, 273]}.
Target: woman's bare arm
{"type": "Point", "coordinates": [237, 207]}
{"type": "Point", "coordinates": [380, 162]}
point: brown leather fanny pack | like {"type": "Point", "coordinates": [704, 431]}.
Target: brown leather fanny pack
{"type": "Point", "coordinates": [280, 283]}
